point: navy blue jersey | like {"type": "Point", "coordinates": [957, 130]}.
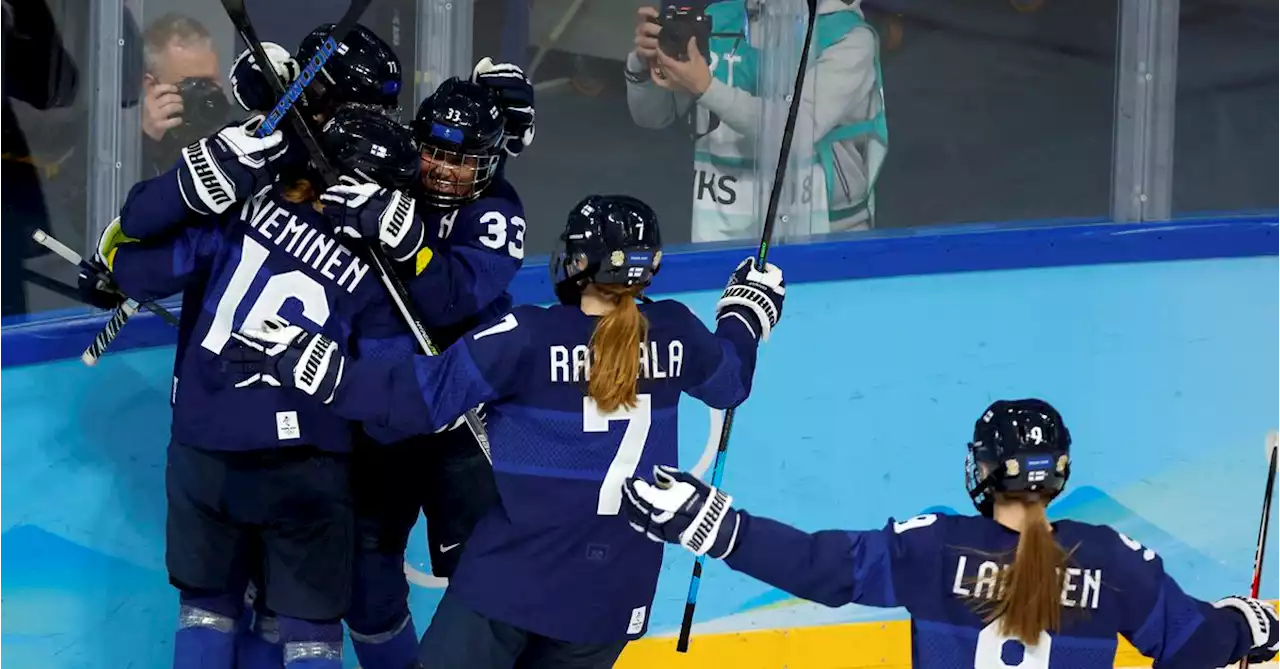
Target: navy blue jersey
{"type": "Point", "coordinates": [266, 258]}
{"type": "Point", "coordinates": [554, 556]}
{"type": "Point", "coordinates": [943, 568]}
{"type": "Point", "coordinates": [476, 251]}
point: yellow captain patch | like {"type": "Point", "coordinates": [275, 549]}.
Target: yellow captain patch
{"type": "Point", "coordinates": [423, 259]}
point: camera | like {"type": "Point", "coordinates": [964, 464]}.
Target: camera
{"type": "Point", "coordinates": [204, 107]}
{"type": "Point", "coordinates": [679, 23]}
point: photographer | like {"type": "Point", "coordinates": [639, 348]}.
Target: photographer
{"type": "Point", "coordinates": [840, 130]}
{"type": "Point", "coordinates": [183, 99]}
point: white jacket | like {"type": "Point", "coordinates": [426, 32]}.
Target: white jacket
{"type": "Point", "coordinates": [845, 76]}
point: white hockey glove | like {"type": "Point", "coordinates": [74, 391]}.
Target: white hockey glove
{"type": "Point", "coordinates": [754, 297]}
{"type": "Point", "coordinates": [680, 509]}
{"type": "Point", "coordinates": [368, 211]}
{"type": "Point", "coordinates": [284, 355]}
{"type": "Point", "coordinates": [250, 88]}
{"type": "Point", "coordinates": [515, 93]}
{"type": "Point", "coordinates": [1262, 623]}
{"type": "Point", "coordinates": [216, 172]}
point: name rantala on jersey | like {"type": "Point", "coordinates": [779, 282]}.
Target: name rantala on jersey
{"type": "Point", "coordinates": [573, 365]}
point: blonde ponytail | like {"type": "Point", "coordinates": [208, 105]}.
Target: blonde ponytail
{"type": "Point", "coordinates": [1030, 592]}
{"type": "Point", "coordinates": [615, 350]}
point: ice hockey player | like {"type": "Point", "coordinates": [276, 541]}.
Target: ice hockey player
{"type": "Point", "coordinates": [578, 396]}
{"type": "Point", "coordinates": [1004, 588]}
{"type": "Point", "coordinates": [257, 479]}
{"type": "Point", "coordinates": [367, 72]}
{"type": "Point", "coordinates": [459, 256]}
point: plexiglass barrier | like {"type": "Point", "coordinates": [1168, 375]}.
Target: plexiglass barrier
{"type": "Point", "coordinates": [1008, 111]}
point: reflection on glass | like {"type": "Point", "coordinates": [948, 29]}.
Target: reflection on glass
{"type": "Point", "coordinates": [1226, 110]}
{"type": "Point", "coordinates": [44, 129]}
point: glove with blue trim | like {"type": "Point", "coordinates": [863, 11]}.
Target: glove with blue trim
{"type": "Point", "coordinates": [680, 509]}
{"type": "Point", "coordinates": [515, 94]}
{"type": "Point", "coordinates": [282, 355]}
{"type": "Point", "coordinates": [219, 171]}
{"type": "Point", "coordinates": [1263, 626]}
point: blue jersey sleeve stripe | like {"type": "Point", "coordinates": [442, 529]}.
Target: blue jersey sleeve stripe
{"type": "Point", "coordinates": [1173, 619]}
{"type": "Point", "coordinates": [872, 569]}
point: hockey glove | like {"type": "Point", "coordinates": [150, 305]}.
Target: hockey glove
{"type": "Point", "coordinates": [250, 88]}
{"type": "Point", "coordinates": [96, 287]}
{"type": "Point", "coordinates": [284, 355]}
{"type": "Point", "coordinates": [754, 297]}
{"type": "Point", "coordinates": [216, 172]}
{"type": "Point", "coordinates": [516, 95]}
{"type": "Point", "coordinates": [1263, 624]}
{"type": "Point", "coordinates": [94, 280]}
{"type": "Point", "coordinates": [680, 509]}
{"type": "Point", "coordinates": [368, 211]}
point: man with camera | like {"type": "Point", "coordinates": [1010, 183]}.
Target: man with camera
{"type": "Point", "coordinates": [183, 98]}
{"type": "Point", "coordinates": [700, 67]}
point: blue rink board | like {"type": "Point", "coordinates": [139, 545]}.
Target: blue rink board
{"type": "Point", "coordinates": [1165, 372]}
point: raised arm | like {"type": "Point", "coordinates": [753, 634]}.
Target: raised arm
{"type": "Point", "coordinates": [746, 313]}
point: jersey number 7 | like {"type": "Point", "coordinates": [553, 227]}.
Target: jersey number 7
{"type": "Point", "coordinates": [627, 458]}
{"type": "Point", "coordinates": [275, 292]}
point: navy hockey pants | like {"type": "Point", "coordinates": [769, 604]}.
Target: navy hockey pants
{"type": "Point", "coordinates": [460, 638]}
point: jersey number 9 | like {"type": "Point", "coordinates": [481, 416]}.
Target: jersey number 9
{"type": "Point", "coordinates": [991, 650]}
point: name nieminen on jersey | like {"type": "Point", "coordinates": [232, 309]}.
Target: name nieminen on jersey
{"type": "Point", "coordinates": [656, 362]}
{"type": "Point", "coordinates": [1080, 587]}
{"type": "Point", "coordinates": [309, 245]}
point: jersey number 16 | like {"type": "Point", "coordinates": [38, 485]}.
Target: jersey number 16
{"type": "Point", "coordinates": [278, 289]}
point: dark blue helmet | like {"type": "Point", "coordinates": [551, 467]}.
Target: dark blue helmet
{"type": "Point", "coordinates": [1019, 446]}
{"type": "Point", "coordinates": [608, 239]}
{"type": "Point", "coordinates": [363, 70]}
{"type": "Point", "coordinates": [459, 134]}
{"type": "Point", "coordinates": [371, 146]}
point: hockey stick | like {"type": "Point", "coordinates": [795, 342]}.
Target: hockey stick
{"type": "Point", "coordinates": [1261, 550]}
{"type": "Point", "coordinates": [122, 314]}
{"type": "Point", "coordinates": [66, 253]}
{"type": "Point", "coordinates": [399, 295]}
{"type": "Point", "coordinates": [771, 214]}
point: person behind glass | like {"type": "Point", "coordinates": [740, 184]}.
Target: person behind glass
{"type": "Point", "coordinates": [38, 71]}
{"type": "Point", "coordinates": [840, 130]}
{"type": "Point", "coordinates": [183, 98]}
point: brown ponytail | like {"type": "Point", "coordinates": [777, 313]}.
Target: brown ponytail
{"type": "Point", "coordinates": [615, 350]}
{"type": "Point", "coordinates": [1030, 590]}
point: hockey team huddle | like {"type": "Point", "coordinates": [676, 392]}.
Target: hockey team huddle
{"type": "Point", "coordinates": [310, 427]}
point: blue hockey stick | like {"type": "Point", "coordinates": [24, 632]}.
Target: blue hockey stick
{"type": "Point", "coordinates": [289, 96]}
{"type": "Point", "coordinates": [285, 107]}
{"type": "Point", "coordinates": [775, 193]}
